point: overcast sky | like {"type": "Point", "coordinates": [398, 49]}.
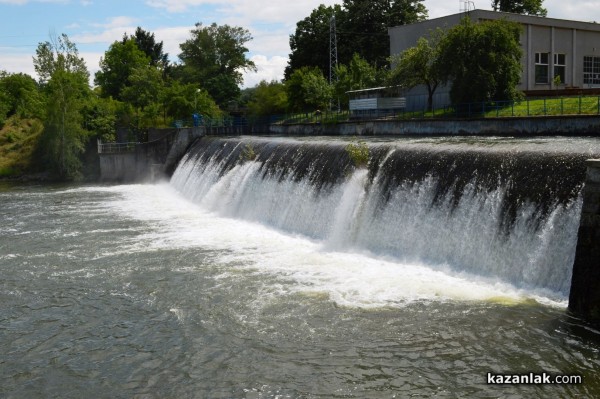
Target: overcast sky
{"type": "Point", "coordinates": [93, 25]}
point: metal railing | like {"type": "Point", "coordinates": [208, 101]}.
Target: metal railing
{"type": "Point", "coordinates": [116, 148]}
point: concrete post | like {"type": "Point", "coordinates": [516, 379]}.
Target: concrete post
{"type": "Point", "coordinates": [584, 299]}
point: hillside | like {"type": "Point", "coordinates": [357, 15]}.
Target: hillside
{"type": "Point", "coordinates": [18, 139]}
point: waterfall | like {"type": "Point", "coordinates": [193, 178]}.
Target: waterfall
{"type": "Point", "coordinates": [495, 208]}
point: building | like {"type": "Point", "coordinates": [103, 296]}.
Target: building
{"type": "Point", "coordinates": [551, 47]}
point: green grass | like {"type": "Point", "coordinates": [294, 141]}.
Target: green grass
{"type": "Point", "coordinates": [18, 140]}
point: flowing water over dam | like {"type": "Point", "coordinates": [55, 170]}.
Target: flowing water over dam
{"type": "Point", "coordinates": [277, 268]}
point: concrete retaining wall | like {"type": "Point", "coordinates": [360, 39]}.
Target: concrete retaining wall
{"type": "Point", "coordinates": [560, 125]}
{"type": "Point", "coordinates": [149, 161]}
{"type": "Point", "coordinates": [584, 298]}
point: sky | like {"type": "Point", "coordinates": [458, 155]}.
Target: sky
{"type": "Point", "coordinates": [94, 24]}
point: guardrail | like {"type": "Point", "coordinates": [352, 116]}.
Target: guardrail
{"type": "Point", "coordinates": [116, 148]}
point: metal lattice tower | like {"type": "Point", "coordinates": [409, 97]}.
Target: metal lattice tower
{"type": "Point", "coordinates": [333, 59]}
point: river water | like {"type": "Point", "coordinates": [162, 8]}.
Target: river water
{"type": "Point", "coordinates": [137, 291]}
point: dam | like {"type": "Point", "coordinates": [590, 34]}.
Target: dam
{"type": "Point", "coordinates": [282, 267]}
{"type": "Point", "coordinates": [491, 207]}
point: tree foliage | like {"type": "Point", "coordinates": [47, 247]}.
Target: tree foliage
{"type": "Point", "coordinates": [307, 89]}
{"type": "Point", "coordinates": [19, 95]}
{"type": "Point", "coordinates": [117, 65]}
{"type": "Point", "coordinates": [181, 100]}
{"type": "Point", "coordinates": [529, 7]}
{"type": "Point", "coordinates": [146, 42]}
{"type": "Point", "coordinates": [310, 41]}
{"type": "Point", "coordinates": [361, 27]}
{"type": "Point", "coordinates": [215, 57]}
{"type": "Point", "coordinates": [358, 74]}
{"type": "Point", "coordinates": [419, 65]}
{"type": "Point", "coordinates": [364, 28]}
{"type": "Point", "coordinates": [67, 88]}
{"type": "Point", "coordinates": [59, 54]}
{"type": "Point", "coordinates": [268, 98]}
{"type": "Point", "coordinates": [482, 60]}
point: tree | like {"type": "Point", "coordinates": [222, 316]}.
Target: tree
{"type": "Point", "coordinates": [147, 43]}
{"type": "Point", "coordinates": [181, 100]}
{"type": "Point", "coordinates": [358, 74]}
{"type": "Point", "coordinates": [144, 87]}
{"type": "Point", "coordinates": [310, 41]}
{"type": "Point", "coordinates": [482, 60]}
{"type": "Point", "coordinates": [361, 27]}
{"type": "Point", "coordinates": [269, 98]}
{"type": "Point", "coordinates": [419, 65]}
{"type": "Point", "coordinates": [529, 7]}
{"type": "Point", "coordinates": [215, 57]}
{"type": "Point", "coordinates": [307, 89]}
{"type": "Point", "coordinates": [20, 95]}
{"type": "Point", "coordinates": [117, 65]}
{"type": "Point", "coordinates": [364, 28]}
{"type": "Point", "coordinates": [66, 84]}
{"type": "Point", "coordinates": [58, 55]}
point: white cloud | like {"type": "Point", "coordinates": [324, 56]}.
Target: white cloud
{"type": "Point", "coordinates": [17, 62]}
{"type": "Point", "coordinates": [267, 69]}
{"type": "Point", "coordinates": [108, 32]}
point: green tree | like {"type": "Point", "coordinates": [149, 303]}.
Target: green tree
{"type": "Point", "coordinates": [310, 42]}
{"type": "Point", "coordinates": [66, 84]}
{"type": "Point", "coordinates": [361, 27]}
{"type": "Point", "coordinates": [364, 28]}
{"type": "Point", "coordinates": [116, 67]}
{"type": "Point", "coordinates": [100, 117]}
{"type": "Point", "coordinates": [20, 95]}
{"type": "Point", "coordinates": [215, 57]}
{"type": "Point", "coordinates": [482, 60]}
{"type": "Point", "coordinates": [307, 89]}
{"type": "Point", "coordinates": [148, 44]}
{"type": "Point", "coordinates": [358, 74]}
{"type": "Point", "coordinates": [419, 65]}
{"type": "Point", "coordinates": [59, 54]}
{"type": "Point", "coordinates": [145, 84]}
{"type": "Point", "coordinates": [529, 7]}
{"type": "Point", "coordinates": [269, 98]}
{"type": "Point", "coordinates": [180, 101]}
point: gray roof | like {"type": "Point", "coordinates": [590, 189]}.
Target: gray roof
{"type": "Point", "coordinates": [494, 15]}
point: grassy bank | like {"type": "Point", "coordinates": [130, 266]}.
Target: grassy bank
{"type": "Point", "coordinates": [18, 140]}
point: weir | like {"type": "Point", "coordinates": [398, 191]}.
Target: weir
{"type": "Point", "coordinates": [503, 210]}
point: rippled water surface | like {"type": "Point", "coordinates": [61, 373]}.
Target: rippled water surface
{"type": "Point", "coordinates": [132, 291]}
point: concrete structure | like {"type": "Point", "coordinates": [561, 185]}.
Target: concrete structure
{"type": "Point", "coordinates": [516, 126]}
{"type": "Point", "coordinates": [584, 298]}
{"type": "Point", "coordinates": [551, 47]}
{"type": "Point", "coordinates": [126, 162]}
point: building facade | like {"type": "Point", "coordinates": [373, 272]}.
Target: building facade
{"type": "Point", "coordinates": [551, 47]}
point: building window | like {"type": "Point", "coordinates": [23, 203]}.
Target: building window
{"type": "Point", "coordinates": [560, 67]}
{"type": "Point", "coordinates": [541, 67]}
{"type": "Point", "coordinates": [591, 70]}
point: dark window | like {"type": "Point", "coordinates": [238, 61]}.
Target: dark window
{"type": "Point", "coordinates": [591, 70]}
{"type": "Point", "coordinates": [560, 66]}
{"type": "Point", "coordinates": [541, 67]}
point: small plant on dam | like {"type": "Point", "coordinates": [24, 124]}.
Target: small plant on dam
{"type": "Point", "coordinates": [248, 153]}
{"type": "Point", "coordinates": [358, 153]}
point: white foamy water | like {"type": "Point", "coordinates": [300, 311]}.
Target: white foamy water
{"type": "Point", "coordinates": [350, 277]}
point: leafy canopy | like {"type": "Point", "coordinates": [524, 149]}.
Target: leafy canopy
{"type": "Point", "coordinates": [529, 7]}
{"type": "Point", "coordinates": [482, 60]}
{"type": "Point", "coordinates": [117, 65]}
{"type": "Point", "coordinates": [215, 57]}
{"type": "Point", "coordinates": [419, 65]}
{"type": "Point", "coordinates": [361, 27]}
